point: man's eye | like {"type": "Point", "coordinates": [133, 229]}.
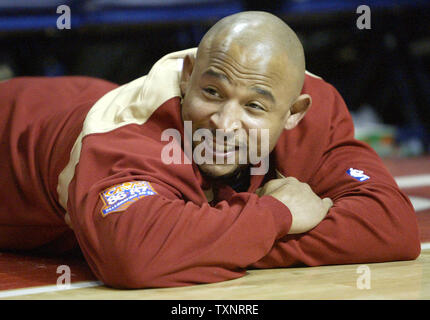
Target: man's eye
{"type": "Point", "coordinates": [211, 92]}
{"type": "Point", "coordinates": [255, 106]}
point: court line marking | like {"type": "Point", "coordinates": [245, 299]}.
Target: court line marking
{"type": "Point", "coordinates": [87, 284]}
{"type": "Point", "coordinates": [44, 289]}
{"type": "Point", "coordinates": [420, 203]}
{"type": "Point", "coordinates": [412, 181]}
{"type": "Point", "coordinates": [425, 246]}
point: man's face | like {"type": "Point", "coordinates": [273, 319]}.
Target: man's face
{"type": "Point", "coordinates": [236, 92]}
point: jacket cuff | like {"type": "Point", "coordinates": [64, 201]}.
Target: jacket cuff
{"type": "Point", "coordinates": [281, 214]}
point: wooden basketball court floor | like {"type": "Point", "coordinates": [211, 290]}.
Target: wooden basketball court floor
{"type": "Point", "coordinates": [35, 277]}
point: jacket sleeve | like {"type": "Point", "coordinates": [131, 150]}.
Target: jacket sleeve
{"type": "Point", "coordinates": [371, 219]}
{"type": "Point", "coordinates": [163, 239]}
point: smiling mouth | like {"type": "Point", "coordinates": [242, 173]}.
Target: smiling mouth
{"type": "Point", "coordinates": [223, 151]}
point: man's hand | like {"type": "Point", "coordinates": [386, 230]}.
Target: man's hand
{"type": "Point", "coordinates": [68, 221]}
{"type": "Point", "coordinates": [307, 209]}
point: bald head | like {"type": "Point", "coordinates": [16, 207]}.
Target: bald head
{"type": "Point", "coordinates": [261, 36]}
{"type": "Point", "coordinates": [247, 78]}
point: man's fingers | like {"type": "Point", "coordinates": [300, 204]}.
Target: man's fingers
{"type": "Point", "coordinates": [68, 221]}
{"type": "Point", "coordinates": [270, 187]}
{"type": "Point", "coordinates": [279, 175]}
{"type": "Point", "coordinates": [287, 179]}
{"type": "Point", "coordinates": [259, 192]}
{"type": "Point", "coordinates": [328, 203]}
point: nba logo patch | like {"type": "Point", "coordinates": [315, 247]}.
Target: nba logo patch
{"type": "Point", "coordinates": [357, 174]}
{"type": "Point", "coordinates": [121, 196]}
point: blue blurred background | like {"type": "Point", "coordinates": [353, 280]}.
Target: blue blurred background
{"type": "Point", "coordinates": [383, 72]}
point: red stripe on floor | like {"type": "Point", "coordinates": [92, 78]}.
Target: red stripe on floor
{"type": "Point", "coordinates": [23, 271]}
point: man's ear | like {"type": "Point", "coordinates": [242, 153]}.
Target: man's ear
{"type": "Point", "coordinates": [298, 110]}
{"type": "Point", "coordinates": [187, 69]}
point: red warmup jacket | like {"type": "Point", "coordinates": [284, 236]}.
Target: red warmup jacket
{"type": "Point", "coordinates": [143, 223]}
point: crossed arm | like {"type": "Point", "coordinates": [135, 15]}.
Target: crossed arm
{"type": "Point", "coordinates": [168, 239]}
{"type": "Point", "coordinates": [163, 241]}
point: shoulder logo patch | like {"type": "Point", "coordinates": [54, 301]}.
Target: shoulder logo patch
{"type": "Point", "coordinates": [121, 196]}
{"type": "Point", "coordinates": [357, 174]}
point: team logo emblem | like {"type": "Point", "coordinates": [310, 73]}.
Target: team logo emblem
{"type": "Point", "coordinates": [357, 174]}
{"type": "Point", "coordinates": [121, 196]}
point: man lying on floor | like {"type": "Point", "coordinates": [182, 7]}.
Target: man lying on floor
{"type": "Point", "coordinates": [223, 158]}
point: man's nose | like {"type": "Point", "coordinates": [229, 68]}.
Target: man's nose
{"type": "Point", "coordinates": [228, 117]}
